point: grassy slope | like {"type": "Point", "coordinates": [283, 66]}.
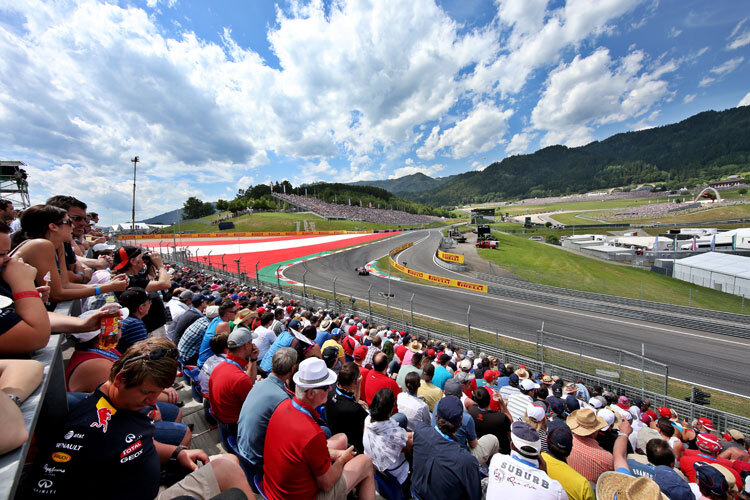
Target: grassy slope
{"type": "Point", "coordinates": [554, 266]}
{"type": "Point", "coordinates": [278, 221]}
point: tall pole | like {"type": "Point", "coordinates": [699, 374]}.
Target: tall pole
{"type": "Point", "coordinates": [135, 161]}
{"type": "Point", "coordinates": [411, 311]}
{"type": "Point", "coordinates": [257, 278]}
{"type": "Point", "coordinates": [334, 292]}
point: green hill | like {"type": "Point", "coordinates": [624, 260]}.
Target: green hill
{"type": "Point", "coordinates": [701, 148]}
{"type": "Point", "coordinates": [414, 183]}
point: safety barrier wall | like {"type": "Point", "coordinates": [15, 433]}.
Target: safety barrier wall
{"type": "Point", "coordinates": [623, 301]}
{"type": "Point", "coordinates": [466, 285]}
{"type": "Point", "coordinates": [450, 257]}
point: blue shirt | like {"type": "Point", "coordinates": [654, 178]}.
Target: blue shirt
{"type": "Point", "coordinates": [440, 376]}
{"type": "Point", "coordinates": [283, 340]}
{"type": "Point", "coordinates": [322, 336]}
{"type": "Point", "coordinates": [502, 381]}
{"type": "Point", "coordinates": [256, 411]}
{"type": "Point", "coordinates": [442, 469]}
{"type": "Point", "coordinates": [205, 351]}
{"type": "Point", "coordinates": [133, 330]}
{"type": "Point", "coordinates": [466, 433]}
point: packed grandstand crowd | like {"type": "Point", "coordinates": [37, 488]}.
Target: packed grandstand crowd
{"type": "Point", "coordinates": [354, 212]}
{"type": "Point", "coordinates": [308, 403]}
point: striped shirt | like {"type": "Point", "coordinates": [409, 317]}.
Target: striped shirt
{"type": "Point", "coordinates": [517, 404]}
{"type": "Point", "coordinates": [507, 391]}
{"type": "Point", "coordinates": [589, 459]}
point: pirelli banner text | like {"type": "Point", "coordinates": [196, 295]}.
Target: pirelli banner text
{"type": "Point", "coordinates": [466, 285]}
{"type": "Point", "coordinates": [450, 257]}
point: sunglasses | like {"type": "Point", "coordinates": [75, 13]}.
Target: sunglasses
{"type": "Point", "coordinates": [155, 355]}
{"type": "Point", "coordinates": [78, 218]}
{"type": "Point", "coordinates": [67, 222]}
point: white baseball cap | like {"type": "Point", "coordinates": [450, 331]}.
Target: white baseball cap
{"type": "Point", "coordinates": [528, 384]}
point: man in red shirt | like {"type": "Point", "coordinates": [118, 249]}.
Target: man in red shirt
{"type": "Point", "coordinates": [359, 356]}
{"type": "Point", "coordinates": [708, 450]}
{"type": "Point", "coordinates": [298, 462]}
{"type": "Point", "coordinates": [377, 379]}
{"type": "Point", "coordinates": [231, 380]}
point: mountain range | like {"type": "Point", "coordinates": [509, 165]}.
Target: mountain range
{"type": "Point", "coordinates": [701, 148]}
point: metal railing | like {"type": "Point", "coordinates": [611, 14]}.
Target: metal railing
{"type": "Point", "coordinates": [568, 358]}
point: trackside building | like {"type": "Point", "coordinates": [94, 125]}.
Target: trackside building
{"type": "Point", "coordinates": [720, 271]}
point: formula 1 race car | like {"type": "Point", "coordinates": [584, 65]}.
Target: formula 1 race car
{"type": "Point", "coordinates": [362, 271]}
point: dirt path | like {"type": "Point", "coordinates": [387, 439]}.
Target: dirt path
{"type": "Point", "coordinates": [476, 263]}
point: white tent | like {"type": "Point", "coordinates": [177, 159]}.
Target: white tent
{"type": "Point", "coordinates": [724, 272]}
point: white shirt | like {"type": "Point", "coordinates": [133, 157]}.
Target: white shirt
{"type": "Point", "coordinates": [176, 309]}
{"type": "Point", "coordinates": [415, 409]}
{"type": "Point", "coordinates": [507, 391]}
{"type": "Point", "coordinates": [511, 478]}
{"type": "Point", "coordinates": [517, 404]}
{"type": "Point", "coordinates": [264, 340]}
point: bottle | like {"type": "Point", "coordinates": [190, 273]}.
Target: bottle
{"type": "Point", "coordinates": [110, 326]}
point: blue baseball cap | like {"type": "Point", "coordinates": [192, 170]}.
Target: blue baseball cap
{"type": "Point", "coordinates": [711, 479]}
{"type": "Point", "coordinates": [449, 408]}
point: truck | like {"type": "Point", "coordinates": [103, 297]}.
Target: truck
{"type": "Point", "coordinates": [486, 244]}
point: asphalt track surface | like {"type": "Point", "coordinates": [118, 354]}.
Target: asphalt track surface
{"type": "Point", "coordinates": [708, 359]}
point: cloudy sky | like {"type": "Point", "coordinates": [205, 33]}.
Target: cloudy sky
{"type": "Point", "coordinates": [216, 96]}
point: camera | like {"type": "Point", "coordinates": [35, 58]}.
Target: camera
{"type": "Point", "coordinates": [147, 259]}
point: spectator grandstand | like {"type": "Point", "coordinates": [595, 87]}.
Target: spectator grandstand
{"type": "Point", "coordinates": [354, 212]}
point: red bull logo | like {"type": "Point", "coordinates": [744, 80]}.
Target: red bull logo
{"type": "Point", "coordinates": [104, 412]}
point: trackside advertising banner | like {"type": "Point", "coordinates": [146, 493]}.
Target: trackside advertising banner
{"type": "Point", "coordinates": [466, 285]}
{"type": "Point", "coordinates": [450, 257]}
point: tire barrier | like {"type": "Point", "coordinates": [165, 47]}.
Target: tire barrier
{"type": "Point", "coordinates": [440, 280]}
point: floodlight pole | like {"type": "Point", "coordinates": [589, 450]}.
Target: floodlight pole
{"type": "Point", "coordinates": [135, 161]}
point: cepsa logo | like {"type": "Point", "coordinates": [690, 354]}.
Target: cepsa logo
{"type": "Point", "coordinates": [60, 457]}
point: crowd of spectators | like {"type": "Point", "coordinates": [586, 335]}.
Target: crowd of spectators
{"type": "Point", "coordinates": [654, 210]}
{"type": "Point", "coordinates": [354, 212]}
{"type": "Point", "coordinates": [320, 404]}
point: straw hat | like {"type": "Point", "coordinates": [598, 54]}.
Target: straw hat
{"type": "Point", "coordinates": [624, 487]}
{"type": "Point", "coordinates": [522, 373]}
{"type": "Point", "coordinates": [585, 422]}
{"type": "Point", "coordinates": [243, 315]}
{"type": "Point", "coordinates": [415, 346]}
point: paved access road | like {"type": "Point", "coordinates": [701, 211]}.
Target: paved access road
{"type": "Point", "coordinates": [704, 358]}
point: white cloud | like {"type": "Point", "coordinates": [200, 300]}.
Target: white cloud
{"type": "Point", "coordinates": [519, 143]}
{"type": "Point", "coordinates": [595, 90]}
{"type": "Point", "coordinates": [430, 170]}
{"type": "Point", "coordinates": [745, 100]}
{"type": "Point", "coordinates": [537, 39]}
{"type": "Point", "coordinates": [706, 81]}
{"type": "Point", "coordinates": [727, 67]}
{"type": "Point", "coordinates": [688, 98]}
{"type": "Point", "coordinates": [740, 36]}
{"type": "Point", "coordinates": [674, 32]}
{"type": "Point", "coordinates": [480, 131]}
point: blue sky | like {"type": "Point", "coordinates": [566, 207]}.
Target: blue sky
{"type": "Point", "coordinates": [216, 96]}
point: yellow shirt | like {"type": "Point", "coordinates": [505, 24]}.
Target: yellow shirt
{"type": "Point", "coordinates": [333, 343]}
{"type": "Point", "coordinates": [576, 486]}
{"type": "Point", "coordinates": [431, 393]}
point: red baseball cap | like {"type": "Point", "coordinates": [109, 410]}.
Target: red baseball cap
{"type": "Point", "coordinates": [707, 423]}
{"type": "Point", "coordinates": [400, 351]}
{"type": "Point", "coordinates": [665, 412]}
{"type": "Point", "coordinates": [708, 442]}
{"type": "Point", "coordinates": [261, 310]}
{"type": "Point", "coordinates": [491, 375]}
{"type": "Point", "coordinates": [360, 352]}
{"type": "Point", "coordinates": [352, 329]}
{"type": "Point", "coordinates": [431, 353]}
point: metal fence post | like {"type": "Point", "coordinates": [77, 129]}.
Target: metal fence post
{"type": "Point", "coordinates": [643, 370]}
{"type": "Point", "coordinates": [257, 278]}
{"type": "Point", "coordinates": [666, 379]}
{"type": "Point", "coordinates": [411, 311]}
{"type": "Point", "coordinates": [619, 366]}
{"type": "Point", "coordinates": [541, 347]}
{"type": "Point", "coordinates": [304, 287]}
{"type": "Point", "coordinates": [690, 298]}
{"type": "Point", "coordinates": [497, 338]}
{"type": "Point", "coordinates": [468, 327]}
{"type": "Point", "coordinates": [369, 303]}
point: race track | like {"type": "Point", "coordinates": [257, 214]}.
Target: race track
{"type": "Point", "coordinates": [705, 358]}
